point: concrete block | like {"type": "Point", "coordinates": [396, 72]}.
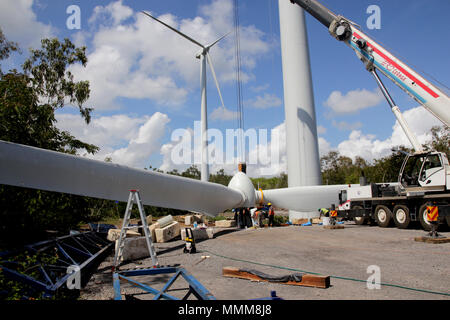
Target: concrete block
{"type": "Point", "coordinates": [199, 233]}
{"type": "Point", "coordinates": [114, 234]}
{"type": "Point", "coordinates": [135, 248]}
{"type": "Point", "coordinates": [226, 223]}
{"type": "Point", "coordinates": [168, 232]}
{"type": "Point", "coordinates": [189, 220]}
{"type": "Point", "coordinates": [152, 229]}
{"type": "Point", "coordinates": [165, 221]}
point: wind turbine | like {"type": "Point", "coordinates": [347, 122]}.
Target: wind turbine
{"type": "Point", "coordinates": [31, 167]}
{"type": "Point", "coordinates": [203, 55]}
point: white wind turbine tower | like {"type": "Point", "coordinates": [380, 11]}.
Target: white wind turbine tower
{"type": "Point", "coordinates": [203, 55]}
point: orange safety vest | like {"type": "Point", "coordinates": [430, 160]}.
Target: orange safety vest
{"type": "Point", "coordinates": [271, 212]}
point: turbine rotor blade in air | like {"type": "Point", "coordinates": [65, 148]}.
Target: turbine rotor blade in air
{"type": "Point", "coordinates": [175, 30]}
{"type": "Point", "coordinates": [215, 78]}
{"type": "Point", "coordinates": [214, 43]}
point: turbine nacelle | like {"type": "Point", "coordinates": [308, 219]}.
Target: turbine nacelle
{"type": "Point", "coordinates": [202, 52]}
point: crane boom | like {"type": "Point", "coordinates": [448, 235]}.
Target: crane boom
{"type": "Point", "coordinates": [375, 57]}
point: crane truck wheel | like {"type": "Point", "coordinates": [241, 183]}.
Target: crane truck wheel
{"type": "Point", "coordinates": [383, 216]}
{"type": "Point", "coordinates": [359, 220]}
{"type": "Point", "coordinates": [401, 216]}
{"type": "Point", "coordinates": [426, 225]}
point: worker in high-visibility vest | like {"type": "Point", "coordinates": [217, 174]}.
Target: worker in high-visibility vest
{"type": "Point", "coordinates": [324, 212]}
{"type": "Point", "coordinates": [271, 214]}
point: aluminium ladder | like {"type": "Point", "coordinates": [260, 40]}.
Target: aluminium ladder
{"type": "Point", "coordinates": [134, 198]}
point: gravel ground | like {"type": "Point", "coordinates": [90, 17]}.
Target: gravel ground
{"type": "Point", "coordinates": [338, 253]}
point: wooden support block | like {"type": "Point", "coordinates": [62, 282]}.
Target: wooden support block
{"type": "Point", "coordinates": [432, 240]}
{"type": "Point", "coordinates": [308, 280]}
{"type": "Point", "coordinates": [334, 227]}
{"type": "Point", "coordinates": [299, 221]}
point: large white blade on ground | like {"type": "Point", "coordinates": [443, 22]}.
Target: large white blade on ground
{"type": "Point", "coordinates": [304, 199]}
{"type": "Point", "coordinates": [173, 29]}
{"type": "Point", "coordinates": [30, 167]}
{"type": "Point", "coordinates": [307, 198]}
{"type": "Point", "coordinates": [215, 78]}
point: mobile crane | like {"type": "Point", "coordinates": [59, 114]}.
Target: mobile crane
{"type": "Point", "coordinates": [424, 178]}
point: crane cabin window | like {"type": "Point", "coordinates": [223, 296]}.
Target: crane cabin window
{"type": "Point", "coordinates": [432, 161]}
{"type": "Point", "coordinates": [411, 172]}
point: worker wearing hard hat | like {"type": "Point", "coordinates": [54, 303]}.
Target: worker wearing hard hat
{"type": "Point", "coordinates": [271, 214]}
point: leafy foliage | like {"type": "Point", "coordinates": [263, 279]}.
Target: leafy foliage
{"type": "Point", "coordinates": [440, 140]}
{"type": "Point", "coordinates": [271, 183]}
{"type": "Point", "coordinates": [6, 48]}
{"type": "Point", "coordinates": [28, 102]}
{"type": "Point", "coordinates": [50, 78]}
{"type": "Point", "coordinates": [338, 169]}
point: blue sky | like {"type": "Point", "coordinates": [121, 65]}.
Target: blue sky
{"type": "Point", "coordinates": [145, 80]}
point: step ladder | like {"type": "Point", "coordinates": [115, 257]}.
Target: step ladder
{"type": "Point", "coordinates": [132, 199]}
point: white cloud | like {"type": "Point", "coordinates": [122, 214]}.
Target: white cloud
{"type": "Point", "coordinates": [19, 23]}
{"type": "Point", "coordinates": [146, 143]}
{"type": "Point", "coordinates": [111, 131]}
{"type": "Point", "coordinates": [265, 157]}
{"type": "Point", "coordinates": [345, 126]}
{"type": "Point", "coordinates": [133, 56]}
{"type": "Point", "coordinates": [369, 147]}
{"type": "Point", "coordinates": [264, 102]}
{"type": "Point", "coordinates": [260, 88]}
{"type": "Point", "coordinates": [324, 146]}
{"type": "Point", "coordinates": [115, 12]}
{"type": "Point", "coordinates": [321, 130]}
{"type": "Point", "coordinates": [272, 156]}
{"type": "Point", "coordinates": [129, 141]}
{"type": "Point", "coordinates": [353, 101]}
{"type": "Point", "coordinates": [224, 114]}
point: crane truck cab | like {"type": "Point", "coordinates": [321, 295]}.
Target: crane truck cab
{"type": "Point", "coordinates": [424, 172]}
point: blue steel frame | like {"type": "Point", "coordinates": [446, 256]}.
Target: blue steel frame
{"type": "Point", "coordinates": [79, 249]}
{"type": "Point", "coordinates": [195, 287]}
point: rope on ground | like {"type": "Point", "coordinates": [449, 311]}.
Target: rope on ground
{"type": "Point", "coordinates": [334, 277]}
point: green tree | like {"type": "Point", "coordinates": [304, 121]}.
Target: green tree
{"type": "Point", "coordinates": [192, 172]}
{"type": "Point", "coordinates": [51, 79]}
{"type": "Point", "coordinates": [28, 102]}
{"type": "Point", "coordinates": [220, 177]}
{"type": "Point", "coordinates": [6, 48]}
{"type": "Point", "coordinates": [440, 140]}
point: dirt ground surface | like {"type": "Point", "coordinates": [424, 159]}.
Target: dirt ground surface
{"type": "Point", "coordinates": [405, 266]}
